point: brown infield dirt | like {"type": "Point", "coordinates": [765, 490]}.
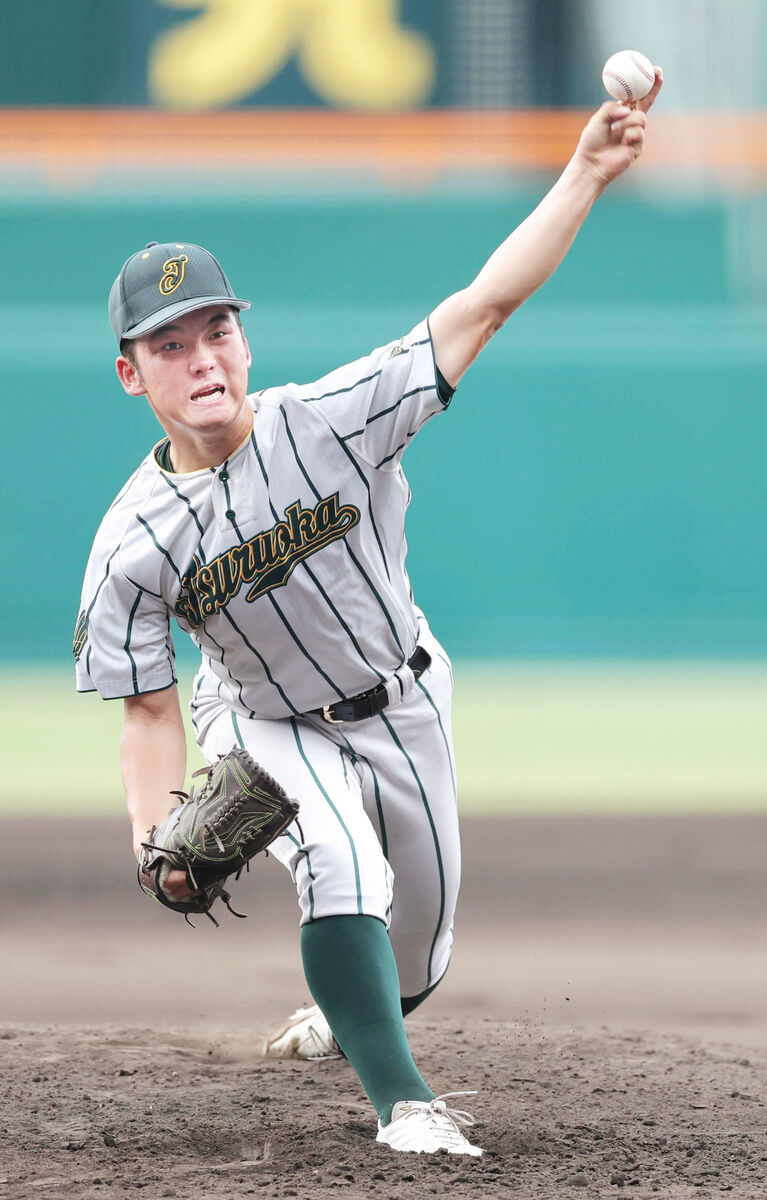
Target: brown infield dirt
{"type": "Point", "coordinates": [606, 999]}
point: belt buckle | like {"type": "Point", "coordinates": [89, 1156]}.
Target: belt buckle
{"type": "Point", "coordinates": [327, 717]}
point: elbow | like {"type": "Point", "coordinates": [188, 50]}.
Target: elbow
{"type": "Point", "coordinates": [153, 708]}
{"type": "Point", "coordinates": [490, 321]}
{"type": "Point", "coordinates": [488, 314]}
{"type": "Point", "coordinates": [495, 321]}
{"type": "Point", "coordinates": [497, 313]}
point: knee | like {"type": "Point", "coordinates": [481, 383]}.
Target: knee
{"type": "Point", "coordinates": [333, 884]}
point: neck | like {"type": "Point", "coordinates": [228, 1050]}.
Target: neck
{"type": "Point", "coordinates": [195, 452]}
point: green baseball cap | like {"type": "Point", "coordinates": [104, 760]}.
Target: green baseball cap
{"type": "Point", "coordinates": [163, 281]}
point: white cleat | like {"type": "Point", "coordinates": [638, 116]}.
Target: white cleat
{"type": "Point", "coordinates": [428, 1126]}
{"type": "Point", "coordinates": [306, 1034]}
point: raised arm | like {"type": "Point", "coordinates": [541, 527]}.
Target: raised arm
{"type": "Point", "coordinates": [152, 758]}
{"type": "Point", "coordinates": [464, 323]}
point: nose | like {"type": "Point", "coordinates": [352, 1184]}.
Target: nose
{"type": "Point", "coordinates": [201, 359]}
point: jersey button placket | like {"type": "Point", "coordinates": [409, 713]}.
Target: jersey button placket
{"type": "Point", "coordinates": [224, 477]}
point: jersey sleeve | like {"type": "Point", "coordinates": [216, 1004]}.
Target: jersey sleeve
{"type": "Point", "coordinates": [122, 643]}
{"type": "Point", "coordinates": [377, 404]}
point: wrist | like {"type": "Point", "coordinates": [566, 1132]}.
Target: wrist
{"type": "Point", "coordinates": [584, 176]}
{"type": "Point", "coordinates": [139, 837]}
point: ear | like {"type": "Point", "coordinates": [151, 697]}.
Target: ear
{"type": "Point", "coordinates": [129, 376]}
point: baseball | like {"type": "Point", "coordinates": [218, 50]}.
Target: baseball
{"type": "Point", "coordinates": [628, 75]}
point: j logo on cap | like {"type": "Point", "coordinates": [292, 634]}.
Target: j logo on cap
{"type": "Point", "coordinates": [148, 293]}
{"type": "Point", "coordinates": [173, 274]}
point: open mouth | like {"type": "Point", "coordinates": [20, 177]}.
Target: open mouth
{"type": "Point", "coordinates": [207, 394]}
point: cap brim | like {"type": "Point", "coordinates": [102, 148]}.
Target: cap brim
{"type": "Point", "coordinates": [179, 309]}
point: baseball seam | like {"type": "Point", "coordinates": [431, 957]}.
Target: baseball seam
{"type": "Point", "coordinates": [619, 79]}
{"type": "Point", "coordinates": [642, 68]}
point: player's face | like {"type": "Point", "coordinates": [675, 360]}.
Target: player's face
{"type": "Point", "coordinates": [194, 373]}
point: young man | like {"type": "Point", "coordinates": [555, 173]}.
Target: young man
{"type": "Point", "coordinates": [272, 527]}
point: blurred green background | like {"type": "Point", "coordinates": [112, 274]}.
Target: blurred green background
{"type": "Point", "coordinates": [587, 528]}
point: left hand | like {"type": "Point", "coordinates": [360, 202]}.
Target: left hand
{"type": "Point", "coordinates": [614, 137]}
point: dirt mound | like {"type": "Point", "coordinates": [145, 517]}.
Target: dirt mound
{"type": "Point", "coordinates": [103, 1112]}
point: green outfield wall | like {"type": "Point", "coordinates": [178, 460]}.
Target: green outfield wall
{"type": "Point", "coordinates": [596, 488]}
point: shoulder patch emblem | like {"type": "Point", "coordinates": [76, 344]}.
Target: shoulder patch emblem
{"type": "Point", "coordinates": [81, 635]}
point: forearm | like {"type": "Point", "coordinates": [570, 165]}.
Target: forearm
{"type": "Point", "coordinates": [463, 324]}
{"type": "Point", "coordinates": [535, 249]}
{"type": "Point", "coordinates": [153, 763]}
{"type": "Point", "coordinates": [609, 144]}
{"type": "Point", "coordinates": [466, 321]}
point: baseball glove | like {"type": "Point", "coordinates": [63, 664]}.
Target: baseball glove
{"type": "Point", "coordinates": [215, 832]}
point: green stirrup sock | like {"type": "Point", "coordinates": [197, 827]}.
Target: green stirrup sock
{"type": "Point", "coordinates": [350, 969]}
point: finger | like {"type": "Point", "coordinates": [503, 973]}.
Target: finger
{"type": "Point", "coordinates": [647, 101]}
{"type": "Point", "coordinates": [610, 111]}
{"type": "Point", "coordinates": [634, 137]}
{"type": "Point", "coordinates": [634, 118]}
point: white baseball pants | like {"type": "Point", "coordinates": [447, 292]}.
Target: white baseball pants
{"type": "Point", "coordinates": [377, 832]}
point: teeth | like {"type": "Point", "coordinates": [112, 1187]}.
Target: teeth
{"type": "Point", "coordinates": [208, 392]}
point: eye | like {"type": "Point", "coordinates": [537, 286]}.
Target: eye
{"type": "Point", "coordinates": [171, 346]}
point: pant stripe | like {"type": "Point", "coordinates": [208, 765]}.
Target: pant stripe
{"type": "Point", "coordinates": [343, 764]}
{"type": "Point", "coordinates": [193, 706]}
{"type": "Point", "coordinates": [440, 867]}
{"type": "Point", "coordinates": [313, 773]}
{"type": "Point", "coordinates": [286, 834]}
{"type": "Point", "coordinates": [377, 790]}
{"type": "Point", "coordinates": [351, 755]}
{"type": "Point", "coordinates": [379, 806]}
{"type": "Point", "coordinates": [444, 739]}
{"type": "Point", "coordinates": [305, 854]}
{"type": "Point", "coordinates": [448, 664]}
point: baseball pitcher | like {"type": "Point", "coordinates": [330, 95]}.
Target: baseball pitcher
{"type": "Point", "coordinates": [271, 526]}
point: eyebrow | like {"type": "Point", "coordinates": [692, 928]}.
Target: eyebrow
{"type": "Point", "coordinates": [172, 328]}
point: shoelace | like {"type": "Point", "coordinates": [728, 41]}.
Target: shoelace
{"type": "Point", "coordinates": [449, 1118]}
{"type": "Point", "coordinates": [457, 1115]}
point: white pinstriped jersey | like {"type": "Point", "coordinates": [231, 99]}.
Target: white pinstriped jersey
{"type": "Point", "coordinates": [286, 564]}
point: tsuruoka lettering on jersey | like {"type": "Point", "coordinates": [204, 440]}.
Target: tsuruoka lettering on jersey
{"type": "Point", "coordinates": [266, 560]}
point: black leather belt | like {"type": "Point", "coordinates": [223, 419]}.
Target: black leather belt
{"type": "Point", "coordinates": [369, 704]}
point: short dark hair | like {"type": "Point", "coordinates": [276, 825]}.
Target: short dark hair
{"type": "Point", "coordinates": [128, 350]}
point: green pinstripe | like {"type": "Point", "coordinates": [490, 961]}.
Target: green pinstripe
{"type": "Point", "coordinates": [377, 790]}
{"type": "Point", "coordinates": [343, 764]}
{"type": "Point", "coordinates": [134, 671]}
{"type": "Point", "coordinates": [344, 541]}
{"type": "Point", "coordinates": [432, 826]}
{"type": "Point", "coordinates": [319, 587]}
{"type": "Point", "coordinates": [340, 819]}
{"type": "Point", "coordinates": [444, 737]}
{"type": "Point", "coordinates": [309, 871]}
{"type": "Point", "coordinates": [293, 839]}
